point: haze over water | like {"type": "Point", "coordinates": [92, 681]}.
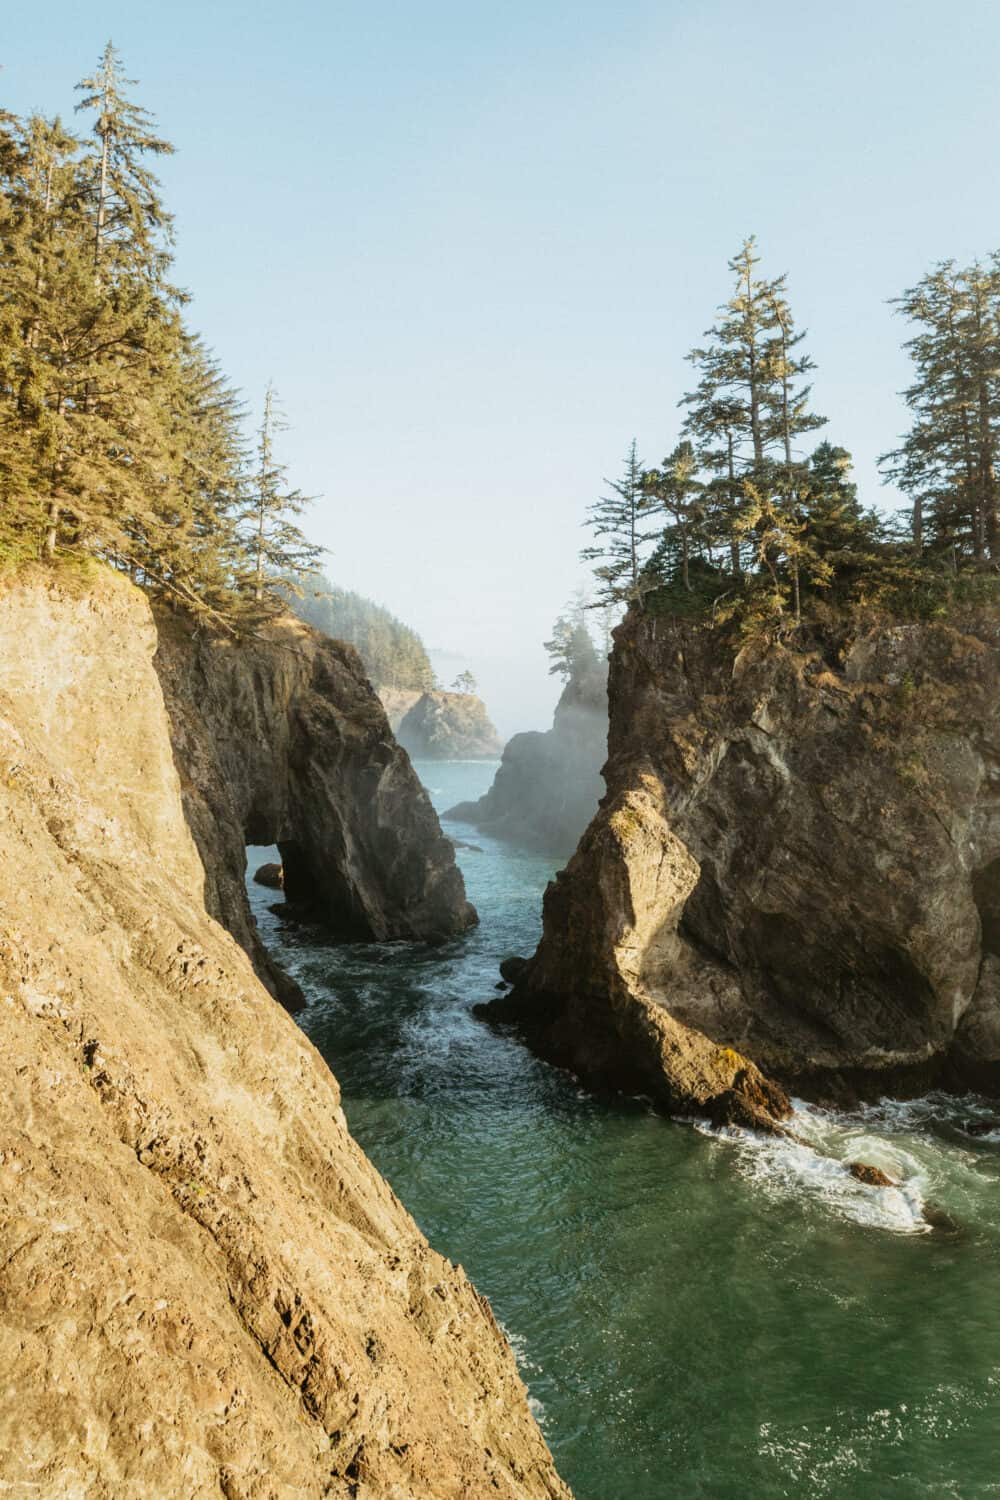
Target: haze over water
{"type": "Point", "coordinates": [695, 1314]}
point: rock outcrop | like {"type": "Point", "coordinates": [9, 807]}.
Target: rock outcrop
{"type": "Point", "coordinates": [205, 1288]}
{"type": "Point", "coordinates": [548, 785]}
{"type": "Point", "coordinates": [449, 726]}
{"type": "Point", "coordinates": [794, 876]}
{"type": "Point", "coordinates": [280, 739]}
{"type": "Point", "coordinates": [397, 703]}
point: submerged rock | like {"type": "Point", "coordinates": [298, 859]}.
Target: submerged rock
{"type": "Point", "coordinates": [448, 726]}
{"type": "Point", "coordinates": [797, 862]}
{"type": "Point", "coordinates": [937, 1218]}
{"type": "Point", "coordinates": [207, 1289]}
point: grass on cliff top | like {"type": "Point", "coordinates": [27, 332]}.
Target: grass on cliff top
{"type": "Point", "coordinates": [72, 571]}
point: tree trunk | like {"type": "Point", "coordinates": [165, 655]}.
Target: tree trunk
{"type": "Point", "coordinates": [49, 544]}
{"type": "Point", "coordinates": [734, 546]}
{"type": "Point", "coordinates": [795, 589]}
{"type": "Point", "coordinates": [987, 473]}
{"type": "Point", "coordinates": [103, 192]}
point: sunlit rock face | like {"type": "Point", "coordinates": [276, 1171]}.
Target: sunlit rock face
{"type": "Point", "coordinates": [448, 726]}
{"type": "Point", "coordinates": [548, 784]}
{"type": "Point", "coordinates": [207, 1289]}
{"type": "Point", "coordinates": [794, 869]}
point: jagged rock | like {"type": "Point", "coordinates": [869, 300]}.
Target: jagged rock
{"type": "Point", "coordinates": [448, 726]}
{"type": "Point", "coordinates": [869, 1175]}
{"type": "Point", "coordinates": [270, 875]}
{"type": "Point", "coordinates": [547, 786]}
{"type": "Point", "coordinates": [205, 1287]}
{"type": "Point", "coordinates": [798, 860]}
{"type": "Point", "coordinates": [280, 739]}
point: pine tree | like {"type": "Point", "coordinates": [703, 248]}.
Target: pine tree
{"type": "Point", "coordinates": [677, 489]}
{"type": "Point", "coordinates": [750, 407]}
{"type": "Point", "coordinates": [947, 461]}
{"type": "Point", "coordinates": [618, 519]}
{"type": "Point", "coordinates": [127, 211]}
{"type": "Point", "coordinates": [276, 547]}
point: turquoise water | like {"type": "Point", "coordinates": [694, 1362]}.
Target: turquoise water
{"type": "Point", "coordinates": [695, 1314]}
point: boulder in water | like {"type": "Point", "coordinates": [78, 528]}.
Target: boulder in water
{"type": "Point", "coordinates": [869, 1175]}
{"type": "Point", "coordinates": [271, 875]}
{"type": "Point", "coordinates": [936, 1217]}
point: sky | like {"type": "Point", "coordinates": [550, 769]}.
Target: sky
{"type": "Point", "coordinates": [471, 245]}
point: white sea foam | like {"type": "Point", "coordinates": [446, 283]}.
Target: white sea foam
{"type": "Point", "coordinates": [815, 1164]}
{"type": "Point", "coordinates": [526, 1367]}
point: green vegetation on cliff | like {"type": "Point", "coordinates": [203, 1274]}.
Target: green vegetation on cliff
{"type": "Point", "coordinates": [119, 435]}
{"type": "Point", "coordinates": [394, 655]}
{"type": "Point", "coordinates": [740, 520]}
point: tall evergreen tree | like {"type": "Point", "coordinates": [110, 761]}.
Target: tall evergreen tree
{"type": "Point", "coordinates": [677, 489]}
{"type": "Point", "coordinates": [127, 211]}
{"type": "Point", "coordinates": [947, 461]}
{"type": "Point", "coordinates": [277, 547]}
{"type": "Point", "coordinates": [750, 407]}
{"type": "Point", "coordinates": [618, 520]}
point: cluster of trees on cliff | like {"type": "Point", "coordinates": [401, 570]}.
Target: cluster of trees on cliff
{"type": "Point", "coordinates": [741, 517]}
{"type": "Point", "coordinates": [119, 435]}
{"type": "Point", "coordinates": [573, 655]}
{"type": "Point", "coordinates": [393, 654]}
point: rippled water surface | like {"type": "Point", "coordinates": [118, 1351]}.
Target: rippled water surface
{"type": "Point", "coordinates": [695, 1314]}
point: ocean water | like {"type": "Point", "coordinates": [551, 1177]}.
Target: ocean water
{"type": "Point", "coordinates": [695, 1313]}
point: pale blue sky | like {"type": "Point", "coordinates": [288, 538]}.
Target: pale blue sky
{"type": "Point", "coordinates": [471, 244]}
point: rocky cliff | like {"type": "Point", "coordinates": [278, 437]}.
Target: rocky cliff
{"type": "Point", "coordinates": [548, 785]}
{"type": "Point", "coordinates": [280, 739]}
{"type": "Point", "coordinates": [448, 726]}
{"type": "Point", "coordinates": [205, 1288]}
{"type": "Point", "coordinates": [794, 879]}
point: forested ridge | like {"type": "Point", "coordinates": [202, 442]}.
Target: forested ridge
{"type": "Point", "coordinates": [393, 654]}
{"type": "Point", "coordinates": [120, 437]}
{"type": "Point", "coordinates": [746, 519]}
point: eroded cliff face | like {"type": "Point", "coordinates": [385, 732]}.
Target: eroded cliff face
{"type": "Point", "coordinates": [448, 726]}
{"type": "Point", "coordinates": [205, 1287]}
{"type": "Point", "coordinates": [794, 876]}
{"type": "Point", "coordinates": [281, 739]}
{"type": "Point", "coordinates": [549, 783]}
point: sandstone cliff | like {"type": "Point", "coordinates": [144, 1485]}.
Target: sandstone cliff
{"type": "Point", "coordinates": [206, 1289]}
{"type": "Point", "coordinates": [795, 872]}
{"type": "Point", "coordinates": [548, 785]}
{"type": "Point", "coordinates": [449, 726]}
{"type": "Point", "coordinates": [281, 740]}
